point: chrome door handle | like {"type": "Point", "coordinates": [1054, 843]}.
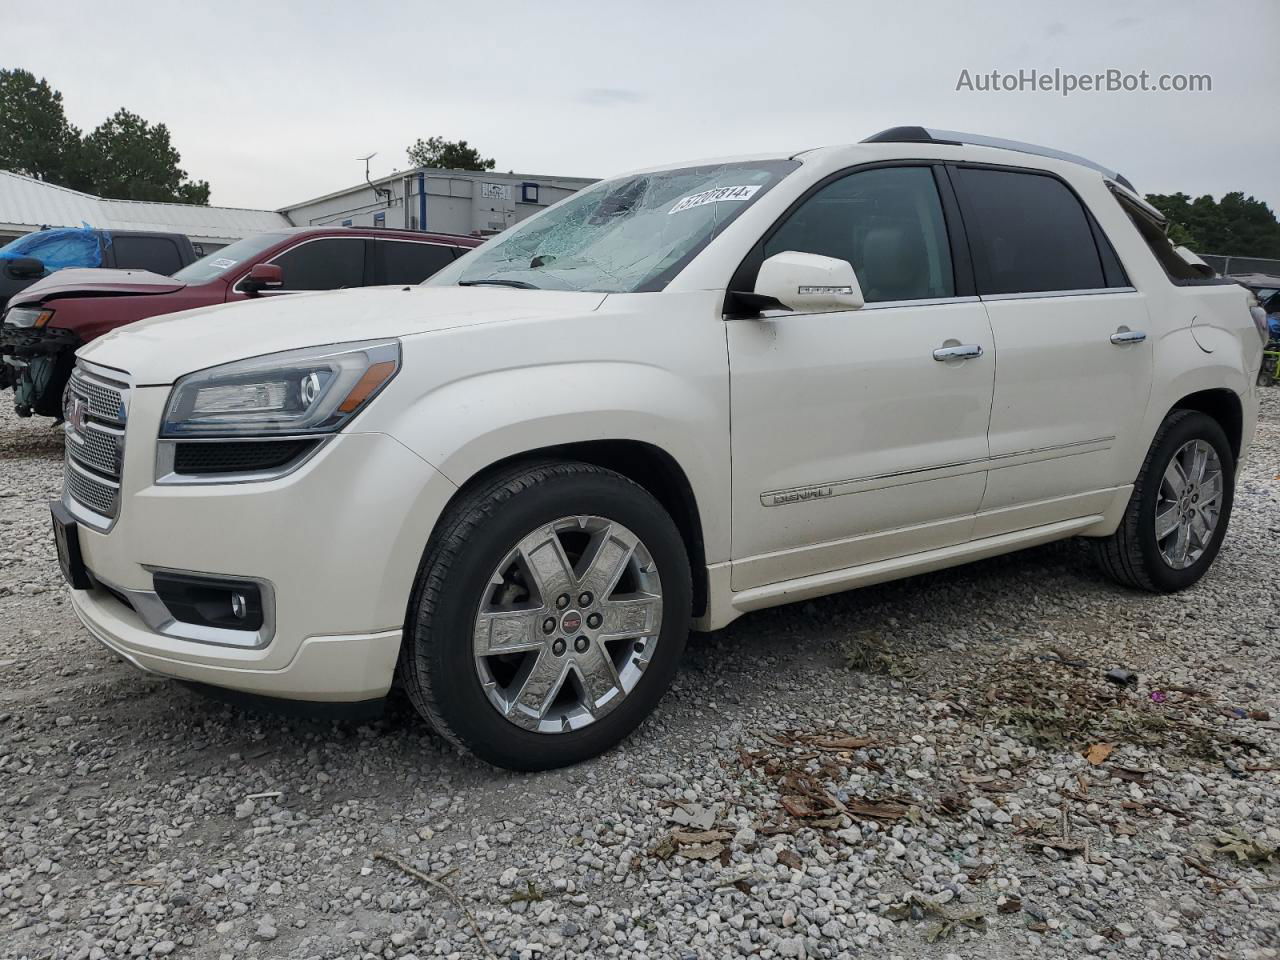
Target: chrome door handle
{"type": "Point", "coordinates": [966, 352]}
{"type": "Point", "coordinates": [1127, 336]}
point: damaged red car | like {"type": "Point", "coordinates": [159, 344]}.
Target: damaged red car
{"type": "Point", "coordinates": [47, 322]}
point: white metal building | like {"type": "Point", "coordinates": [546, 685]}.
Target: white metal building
{"type": "Point", "coordinates": [443, 201]}
{"type": "Point", "coordinates": [27, 204]}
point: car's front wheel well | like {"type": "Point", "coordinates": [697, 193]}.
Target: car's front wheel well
{"type": "Point", "coordinates": [1224, 407]}
{"type": "Point", "coordinates": [645, 464]}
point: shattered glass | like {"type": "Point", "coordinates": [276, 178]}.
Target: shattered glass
{"type": "Point", "coordinates": [627, 235]}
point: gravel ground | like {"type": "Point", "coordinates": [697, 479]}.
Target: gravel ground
{"type": "Point", "coordinates": [935, 768]}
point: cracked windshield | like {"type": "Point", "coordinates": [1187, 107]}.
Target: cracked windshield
{"type": "Point", "coordinates": [627, 235]}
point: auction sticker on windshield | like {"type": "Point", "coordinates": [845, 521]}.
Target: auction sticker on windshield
{"type": "Point", "coordinates": [714, 196]}
{"type": "Point", "coordinates": [222, 263]}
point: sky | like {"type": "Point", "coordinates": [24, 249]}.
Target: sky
{"type": "Point", "coordinates": [273, 102]}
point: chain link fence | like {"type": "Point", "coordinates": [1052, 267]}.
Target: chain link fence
{"type": "Point", "coordinates": [1241, 266]}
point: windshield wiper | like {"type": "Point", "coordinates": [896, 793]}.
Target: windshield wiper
{"type": "Point", "coordinates": [494, 281]}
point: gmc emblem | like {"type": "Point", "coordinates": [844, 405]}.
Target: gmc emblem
{"type": "Point", "coordinates": [75, 411]}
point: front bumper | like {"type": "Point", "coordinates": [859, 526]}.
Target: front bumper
{"type": "Point", "coordinates": [323, 669]}
{"type": "Point", "coordinates": [22, 350]}
{"type": "Point", "coordinates": [339, 542]}
{"type": "Point", "coordinates": [27, 342]}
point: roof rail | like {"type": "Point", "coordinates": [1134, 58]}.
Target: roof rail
{"type": "Point", "coordinates": [955, 138]}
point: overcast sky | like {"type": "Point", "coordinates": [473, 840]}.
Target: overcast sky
{"type": "Point", "coordinates": [272, 102]}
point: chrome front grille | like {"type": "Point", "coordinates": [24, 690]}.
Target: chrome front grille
{"type": "Point", "coordinates": [95, 409]}
{"type": "Point", "coordinates": [99, 495]}
{"type": "Point", "coordinates": [99, 448]}
{"type": "Point", "coordinates": [107, 401]}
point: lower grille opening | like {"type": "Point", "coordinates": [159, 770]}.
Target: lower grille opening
{"type": "Point", "coordinates": [250, 456]}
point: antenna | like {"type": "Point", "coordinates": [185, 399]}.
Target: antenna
{"type": "Point", "coordinates": [380, 192]}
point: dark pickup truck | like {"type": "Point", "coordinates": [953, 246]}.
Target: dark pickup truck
{"type": "Point", "coordinates": [50, 320]}
{"type": "Point", "coordinates": [29, 258]}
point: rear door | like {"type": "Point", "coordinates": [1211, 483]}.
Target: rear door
{"type": "Point", "coordinates": [1074, 370]}
{"type": "Point", "coordinates": [403, 261]}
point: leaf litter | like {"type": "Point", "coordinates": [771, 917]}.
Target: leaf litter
{"type": "Point", "coordinates": [945, 920]}
{"type": "Point", "coordinates": [1052, 702]}
{"type": "Point", "coordinates": [806, 768]}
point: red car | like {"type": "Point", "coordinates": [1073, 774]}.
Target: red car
{"type": "Point", "coordinates": [48, 321]}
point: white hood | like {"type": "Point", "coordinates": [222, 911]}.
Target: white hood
{"type": "Point", "coordinates": [161, 349]}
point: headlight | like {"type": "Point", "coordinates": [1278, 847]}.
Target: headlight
{"type": "Point", "coordinates": [311, 391]}
{"type": "Point", "coordinates": [27, 316]}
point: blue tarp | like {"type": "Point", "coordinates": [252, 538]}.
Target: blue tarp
{"type": "Point", "coordinates": [59, 248]}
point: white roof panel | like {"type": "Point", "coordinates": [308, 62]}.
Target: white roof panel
{"type": "Point", "coordinates": [28, 204]}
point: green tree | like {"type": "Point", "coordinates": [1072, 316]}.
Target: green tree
{"type": "Point", "coordinates": [1180, 235]}
{"type": "Point", "coordinates": [127, 158]}
{"type": "Point", "coordinates": [1235, 225]}
{"type": "Point", "coordinates": [449, 154]}
{"type": "Point", "coordinates": [35, 137]}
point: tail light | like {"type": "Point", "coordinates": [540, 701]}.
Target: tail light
{"type": "Point", "coordinates": [1260, 321]}
{"type": "Point", "coordinates": [1259, 317]}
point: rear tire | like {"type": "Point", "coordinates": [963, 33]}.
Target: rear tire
{"type": "Point", "coordinates": [552, 700]}
{"type": "Point", "coordinates": [1144, 553]}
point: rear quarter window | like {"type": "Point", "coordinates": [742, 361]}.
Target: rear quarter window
{"type": "Point", "coordinates": [1161, 247]}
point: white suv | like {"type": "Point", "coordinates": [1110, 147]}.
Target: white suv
{"type": "Point", "coordinates": [678, 396]}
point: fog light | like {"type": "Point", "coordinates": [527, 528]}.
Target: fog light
{"type": "Point", "coordinates": [210, 602]}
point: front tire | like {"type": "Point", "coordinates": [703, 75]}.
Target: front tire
{"type": "Point", "coordinates": [549, 615]}
{"type": "Point", "coordinates": [1179, 510]}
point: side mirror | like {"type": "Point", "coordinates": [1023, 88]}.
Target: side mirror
{"type": "Point", "coordinates": [26, 268]}
{"type": "Point", "coordinates": [808, 283]}
{"type": "Point", "coordinates": [263, 276]}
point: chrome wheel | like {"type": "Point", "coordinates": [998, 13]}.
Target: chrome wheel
{"type": "Point", "coordinates": [568, 623]}
{"type": "Point", "coordinates": [1189, 504]}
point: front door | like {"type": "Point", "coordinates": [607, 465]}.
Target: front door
{"type": "Point", "coordinates": [321, 263]}
{"type": "Point", "coordinates": [861, 435]}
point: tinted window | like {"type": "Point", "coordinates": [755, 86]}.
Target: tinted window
{"type": "Point", "coordinates": [327, 264]}
{"type": "Point", "coordinates": [1028, 233]}
{"type": "Point", "coordinates": [157, 254]}
{"type": "Point", "coordinates": [404, 261]}
{"type": "Point", "coordinates": [887, 223]}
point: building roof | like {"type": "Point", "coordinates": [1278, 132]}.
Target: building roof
{"type": "Point", "coordinates": [28, 204]}
{"type": "Point", "coordinates": [573, 183]}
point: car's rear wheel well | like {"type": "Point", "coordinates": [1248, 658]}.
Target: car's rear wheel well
{"type": "Point", "coordinates": [647, 465]}
{"type": "Point", "coordinates": [1223, 406]}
